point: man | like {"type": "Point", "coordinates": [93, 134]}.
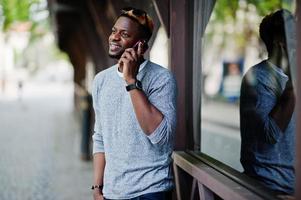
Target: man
{"type": "Point", "coordinates": [135, 117]}
{"type": "Point", "coordinates": [267, 109]}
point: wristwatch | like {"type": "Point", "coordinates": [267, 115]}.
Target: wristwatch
{"type": "Point", "coordinates": [99, 187]}
{"type": "Point", "coordinates": [136, 85]}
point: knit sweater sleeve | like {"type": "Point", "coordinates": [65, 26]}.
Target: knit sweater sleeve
{"type": "Point", "coordinates": [97, 137]}
{"type": "Point", "coordinates": [163, 95]}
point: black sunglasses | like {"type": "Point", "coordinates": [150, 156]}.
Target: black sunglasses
{"type": "Point", "coordinates": [135, 11]}
{"type": "Point", "coordinates": [136, 14]}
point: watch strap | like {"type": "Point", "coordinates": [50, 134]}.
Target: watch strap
{"type": "Point", "coordinates": [97, 186]}
{"type": "Point", "coordinates": [136, 85]}
{"type": "Point", "coordinates": [130, 87]}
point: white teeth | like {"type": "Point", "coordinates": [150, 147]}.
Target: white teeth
{"type": "Point", "coordinates": [114, 47]}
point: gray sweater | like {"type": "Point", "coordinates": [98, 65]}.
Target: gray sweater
{"type": "Point", "coordinates": [136, 164]}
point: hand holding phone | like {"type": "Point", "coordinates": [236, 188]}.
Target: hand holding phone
{"type": "Point", "coordinates": [130, 60]}
{"type": "Point", "coordinates": [144, 46]}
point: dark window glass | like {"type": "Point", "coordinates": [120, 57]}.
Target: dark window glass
{"type": "Point", "coordinates": [243, 124]}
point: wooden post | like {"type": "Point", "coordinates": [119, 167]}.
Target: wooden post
{"type": "Point", "coordinates": [205, 193]}
{"type": "Point", "coordinates": [162, 10]}
{"type": "Point", "coordinates": [181, 65]}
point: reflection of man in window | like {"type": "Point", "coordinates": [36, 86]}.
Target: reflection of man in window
{"type": "Point", "coordinates": [267, 107]}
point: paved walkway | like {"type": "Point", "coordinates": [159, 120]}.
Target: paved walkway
{"type": "Point", "coordinates": [40, 144]}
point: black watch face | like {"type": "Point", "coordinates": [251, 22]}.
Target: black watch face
{"type": "Point", "coordinates": [139, 85]}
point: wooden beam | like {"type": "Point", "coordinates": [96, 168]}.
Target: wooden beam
{"type": "Point", "coordinates": [213, 180]}
{"type": "Point", "coordinates": [181, 35]}
{"type": "Point", "coordinates": [205, 193]}
{"type": "Point", "coordinates": [162, 10]}
{"type": "Point", "coordinates": [97, 46]}
{"type": "Point", "coordinates": [177, 181]}
{"type": "Point", "coordinates": [116, 6]}
{"type": "Point", "coordinates": [77, 52]}
{"type": "Point", "coordinates": [102, 23]}
{"type": "Point", "coordinates": [183, 183]}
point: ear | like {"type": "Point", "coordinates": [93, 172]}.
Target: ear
{"type": "Point", "coordinates": [145, 46]}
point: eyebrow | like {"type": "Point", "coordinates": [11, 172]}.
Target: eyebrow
{"type": "Point", "coordinates": [114, 27]}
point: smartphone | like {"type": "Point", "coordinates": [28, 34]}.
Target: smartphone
{"type": "Point", "coordinates": [144, 45]}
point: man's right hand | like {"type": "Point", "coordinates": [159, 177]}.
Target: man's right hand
{"type": "Point", "coordinates": [97, 195]}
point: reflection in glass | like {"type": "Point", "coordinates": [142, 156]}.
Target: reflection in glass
{"type": "Point", "coordinates": [231, 46]}
{"type": "Point", "coordinates": [267, 108]}
{"type": "Point", "coordinates": [231, 81]}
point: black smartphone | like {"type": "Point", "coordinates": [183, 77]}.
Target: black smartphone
{"type": "Point", "coordinates": [144, 45]}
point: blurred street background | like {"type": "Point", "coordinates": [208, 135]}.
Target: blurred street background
{"type": "Point", "coordinates": [40, 140]}
{"type": "Point", "coordinates": [40, 133]}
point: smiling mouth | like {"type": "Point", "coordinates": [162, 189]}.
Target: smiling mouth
{"type": "Point", "coordinates": [114, 47]}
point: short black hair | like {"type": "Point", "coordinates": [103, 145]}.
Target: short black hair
{"type": "Point", "coordinates": [273, 26]}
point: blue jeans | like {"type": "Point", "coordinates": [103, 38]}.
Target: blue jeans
{"type": "Point", "coordinates": [166, 195]}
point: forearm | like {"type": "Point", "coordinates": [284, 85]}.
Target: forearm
{"type": "Point", "coordinates": [99, 163]}
{"type": "Point", "coordinates": [148, 116]}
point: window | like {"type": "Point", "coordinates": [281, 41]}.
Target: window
{"type": "Point", "coordinates": [231, 46]}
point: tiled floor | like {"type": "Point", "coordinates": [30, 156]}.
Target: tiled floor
{"type": "Point", "coordinates": [40, 145]}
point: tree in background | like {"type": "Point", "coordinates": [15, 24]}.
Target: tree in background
{"type": "Point", "coordinates": [25, 33]}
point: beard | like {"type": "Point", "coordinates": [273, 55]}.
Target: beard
{"type": "Point", "coordinates": [117, 56]}
{"type": "Point", "coordinates": [116, 53]}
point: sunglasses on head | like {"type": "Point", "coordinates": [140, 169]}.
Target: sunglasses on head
{"type": "Point", "coordinates": [135, 11]}
{"type": "Point", "coordinates": [139, 15]}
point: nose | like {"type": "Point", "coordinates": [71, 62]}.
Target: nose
{"type": "Point", "coordinates": [115, 36]}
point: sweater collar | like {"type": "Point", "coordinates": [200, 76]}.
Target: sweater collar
{"type": "Point", "coordinates": [142, 65]}
{"type": "Point", "coordinates": [278, 70]}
